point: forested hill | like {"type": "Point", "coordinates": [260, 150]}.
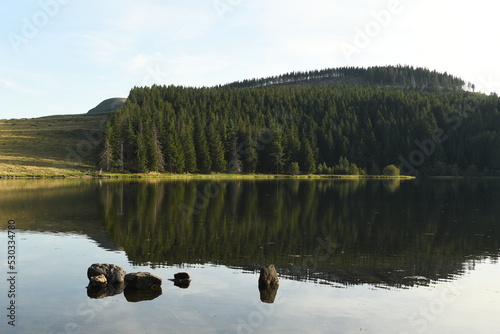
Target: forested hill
{"type": "Point", "coordinates": [345, 129]}
{"type": "Point", "coordinates": [397, 76]}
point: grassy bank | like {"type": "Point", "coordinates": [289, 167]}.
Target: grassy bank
{"type": "Point", "coordinates": [49, 146]}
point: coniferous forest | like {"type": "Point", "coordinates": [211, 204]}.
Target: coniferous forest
{"type": "Point", "coordinates": [337, 121]}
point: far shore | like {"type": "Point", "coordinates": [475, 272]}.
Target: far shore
{"type": "Point", "coordinates": [169, 176]}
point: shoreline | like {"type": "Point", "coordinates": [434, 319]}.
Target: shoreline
{"type": "Point", "coordinates": [215, 176]}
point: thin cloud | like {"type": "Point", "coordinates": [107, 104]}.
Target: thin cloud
{"type": "Point", "coordinates": [14, 86]}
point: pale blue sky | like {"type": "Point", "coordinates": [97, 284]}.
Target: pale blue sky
{"type": "Point", "coordinates": [66, 56]}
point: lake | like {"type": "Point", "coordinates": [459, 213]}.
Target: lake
{"type": "Point", "coordinates": [365, 256]}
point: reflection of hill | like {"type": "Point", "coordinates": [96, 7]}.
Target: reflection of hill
{"type": "Point", "coordinates": [59, 206]}
{"type": "Point", "coordinates": [351, 232]}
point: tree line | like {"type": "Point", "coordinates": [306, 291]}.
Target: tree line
{"type": "Point", "coordinates": [407, 77]}
{"type": "Point", "coordinates": [342, 129]}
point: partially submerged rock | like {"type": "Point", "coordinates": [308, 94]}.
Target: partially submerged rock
{"type": "Point", "coordinates": [114, 274]}
{"type": "Point", "coordinates": [98, 281]}
{"type": "Point", "coordinates": [182, 280]}
{"type": "Point", "coordinates": [109, 279]}
{"type": "Point", "coordinates": [182, 276]}
{"type": "Point", "coordinates": [142, 281]}
{"type": "Point", "coordinates": [268, 276]}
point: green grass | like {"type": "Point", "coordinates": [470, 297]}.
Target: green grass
{"type": "Point", "coordinates": [53, 146]}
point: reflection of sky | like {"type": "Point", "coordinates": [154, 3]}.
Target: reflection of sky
{"type": "Point", "coordinates": [52, 299]}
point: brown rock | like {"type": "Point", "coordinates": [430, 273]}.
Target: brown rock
{"type": "Point", "coordinates": [141, 281]}
{"type": "Point", "coordinates": [268, 276]}
{"type": "Point", "coordinates": [181, 276]}
{"type": "Point", "coordinates": [99, 280]}
{"type": "Point", "coordinates": [182, 280]}
{"type": "Point", "coordinates": [114, 274]}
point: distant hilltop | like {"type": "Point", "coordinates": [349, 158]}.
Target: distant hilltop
{"type": "Point", "coordinates": [406, 77]}
{"type": "Point", "coordinates": [108, 106]}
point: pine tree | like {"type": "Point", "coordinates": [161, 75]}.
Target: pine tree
{"type": "Point", "coordinates": [106, 156]}
{"type": "Point", "coordinates": [142, 153]}
{"type": "Point", "coordinates": [234, 164]}
{"type": "Point", "coordinates": [189, 148]}
{"type": "Point", "coordinates": [308, 161]}
{"type": "Point", "coordinates": [249, 153]}
{"type": "Point", "coordinates": [203, 159]}
{"type": "Point", "coordinates": [216, 149]}
{"type": "Point", "coordinates": [277, 152]}
{"type": "Point", "coordinates": [174, 155]}
{"type": "Point", "coordinates": [156, 160]}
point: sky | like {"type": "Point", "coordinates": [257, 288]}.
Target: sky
{"type": "Point", "coordinates": [66, 56]}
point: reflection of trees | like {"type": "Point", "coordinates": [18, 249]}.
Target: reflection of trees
{"type": "Point", "coordinates": [381, 234]}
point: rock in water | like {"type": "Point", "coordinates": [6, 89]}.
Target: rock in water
{"type": "Point", "coordinates": [181, 276]}
{"type": "Point", "coordinates": [114, 274]}
{"type": "Point", "coordinates": [182, 280]}
{"type": "Point", "coordinates": [99, 280]}
{"type": "Point", "coordinates": [268, 276]}
{"type": "Point", "coordinates": [142, 281]}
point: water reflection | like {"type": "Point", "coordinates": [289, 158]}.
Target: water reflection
{"type": "Point", "coordinates": [134, 296]}
{"type": "Point", "coordinates": [268, 293]}
{"type": "Point", "coordinates": [328, 231]}
{"type": "Point", "coordinates": [99, 292]}
{"type": "Point", "coordinates": [348, 232]}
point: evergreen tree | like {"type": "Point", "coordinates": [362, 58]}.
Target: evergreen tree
{"type": "Point", "coordinates": [203, 159]}
{"type": "Point", "coordinates": [234, 164]}
{"type": "Point", "coordinates": [156, 160]}
{"type": "Point", "coordinates": [189, 148]}
{"type": "Point", "coordinates": [142, 153]}
{"type": "Point", "coordinates": [216, 149]}
{"type": "Point", "coordinates": [249, 153]}
{"type": "Point", "coordinates": [106, 157]}
{"type": "Point", "coordinates": [174, 154]}
{"type": "Point", "coordinates": [277, 152]}
{"type": "Point", "coordinates": [307, 155]}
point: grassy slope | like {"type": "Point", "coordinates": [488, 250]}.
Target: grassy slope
{"type": "Point", "coordinates": [49, 146]}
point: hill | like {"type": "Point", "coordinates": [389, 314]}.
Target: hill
{"type": "Point", "coordinates": [340, 121]}
{"type": "Point", "coordinates": [50, 146]}
{"type": "Point", "coordinates": [399, 76]}
{"type": "Point", "coordinates": [315, 128]}
{"type": "Point", "coordinates": [108, 106]}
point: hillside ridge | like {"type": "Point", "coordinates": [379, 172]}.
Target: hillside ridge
{"type": "Point", "coordinates": [409, 77]}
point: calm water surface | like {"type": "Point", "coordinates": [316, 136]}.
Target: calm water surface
{"type": "Point", "coordinates": [353, 256]}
